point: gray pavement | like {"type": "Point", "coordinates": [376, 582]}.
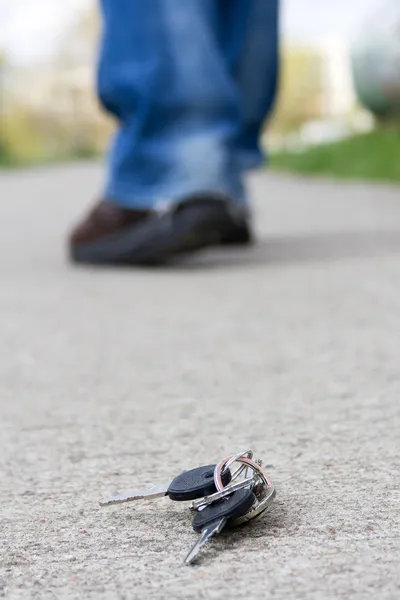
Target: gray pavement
{"type": "Point", "coordinates": [116, 378]}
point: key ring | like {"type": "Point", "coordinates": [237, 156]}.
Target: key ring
{"type": "Point", "coordinates": [232, 486]}
{"type": "Point", "coordinates": [201, 503]}
{"type": "Point", "coordinates": [247, 462]}
{"type": "Point", "coordinates": [263, 502]}
{"type": "Point", "coordinates": [233, 459]}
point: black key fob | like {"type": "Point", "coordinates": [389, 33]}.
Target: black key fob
{"type": "Point", "coordinates": [196, 483]}
{"type": "Point", "coordinates": [233, 507]}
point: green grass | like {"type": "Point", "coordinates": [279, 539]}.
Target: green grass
{"type": "Point", "coordinates": [8, 161]}
{"type": "Point", "coordinates": [372, 156]}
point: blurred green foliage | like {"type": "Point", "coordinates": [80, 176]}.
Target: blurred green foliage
{"type": "Point", "coordinates": [50, 114]}
{"type": "Point", "coordinates": [28, 138]}
{"type": "Point", "coordinates": [301, 95]}
{"type": "Point", "coordinates": [369, 156]}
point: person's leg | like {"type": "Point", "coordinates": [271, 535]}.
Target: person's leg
{"type": "Point", "coordinates": [164, 76]}
{"type": "Point", "coordinates": [250, 38]}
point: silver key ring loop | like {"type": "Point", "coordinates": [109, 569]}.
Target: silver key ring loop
{"type": "Point", "coordinates": [247, 462]}
{"type": "Point", "coordinates": [233, 459]}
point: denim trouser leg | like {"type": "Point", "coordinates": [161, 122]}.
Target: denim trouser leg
{"type": "Point", "coordinates": [253, 55]}
{"type": "Point", "coordinates": [169, 73]}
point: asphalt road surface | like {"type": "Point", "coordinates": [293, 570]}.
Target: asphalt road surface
{"type": "Point", "coordinates": [113, 379]}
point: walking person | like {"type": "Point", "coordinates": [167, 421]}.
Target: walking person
{"type": "Point", "coordinates": [190, 83]}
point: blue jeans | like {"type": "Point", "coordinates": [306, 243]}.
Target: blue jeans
{"type": "Point", "coordinates": [190, 82]}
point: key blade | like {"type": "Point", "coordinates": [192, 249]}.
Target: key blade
{"type": "Point", "coordinates": [156, 491]}
{"type": "Point", "coordinates": [208, 532]}
{"type": "Point", "coordinates": [229, 489]}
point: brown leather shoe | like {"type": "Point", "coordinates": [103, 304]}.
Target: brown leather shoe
{"type": "Point", "coordinates": [106, 219]}
{"type": "Point", "coordinates": [113, 234]}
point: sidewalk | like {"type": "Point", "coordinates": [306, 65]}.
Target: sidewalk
{"type": "Point", "coordinates": [112, 379]}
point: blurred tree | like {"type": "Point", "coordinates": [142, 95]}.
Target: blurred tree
{"type": "Point", "coordinates": [23, 137]}
{"type": "Point", "coordinates": [2, 81]}
{"type": "Point", "coordinates": [301, 95]}
{"type": "Point", "coordinates": [53, 113]}
{"type": "Point", "coordinates": [74, 86]}
{"type": "Point", "coordinates": [78, 45]}
{"type": "Point", "coordinates": [4, 153]}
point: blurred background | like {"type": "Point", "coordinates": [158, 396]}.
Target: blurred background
{"type": "Point", "coordinates": [338, 111]}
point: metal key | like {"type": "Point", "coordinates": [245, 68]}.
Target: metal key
{"type": "Point", "coordinates": [212, 519]}
{"type": "Point", "coordinates": [190, 485]}
{"type": "Point", "coordinates": [201, 503]}
{"type": "Point", "coordinates": [263, 489]}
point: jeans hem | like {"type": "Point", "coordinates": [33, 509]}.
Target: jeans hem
{"type": "Point", "coordinates": [128, 197]}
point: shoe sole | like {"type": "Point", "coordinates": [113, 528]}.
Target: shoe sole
{"type": "Point", "coordinates": [159, 240]}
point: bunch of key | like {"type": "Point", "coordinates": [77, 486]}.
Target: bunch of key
{"type": "Point", "coordinates": [219, 495]}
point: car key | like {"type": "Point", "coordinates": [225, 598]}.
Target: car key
{"type": "Point", "coordinates": [190, 485]}
{"type": "Point", "coordinates": [201, 503]}
{"type": "Point", "coordinates": [212, 519]}
{"type": "Point", "coordinates": [262, 488]}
